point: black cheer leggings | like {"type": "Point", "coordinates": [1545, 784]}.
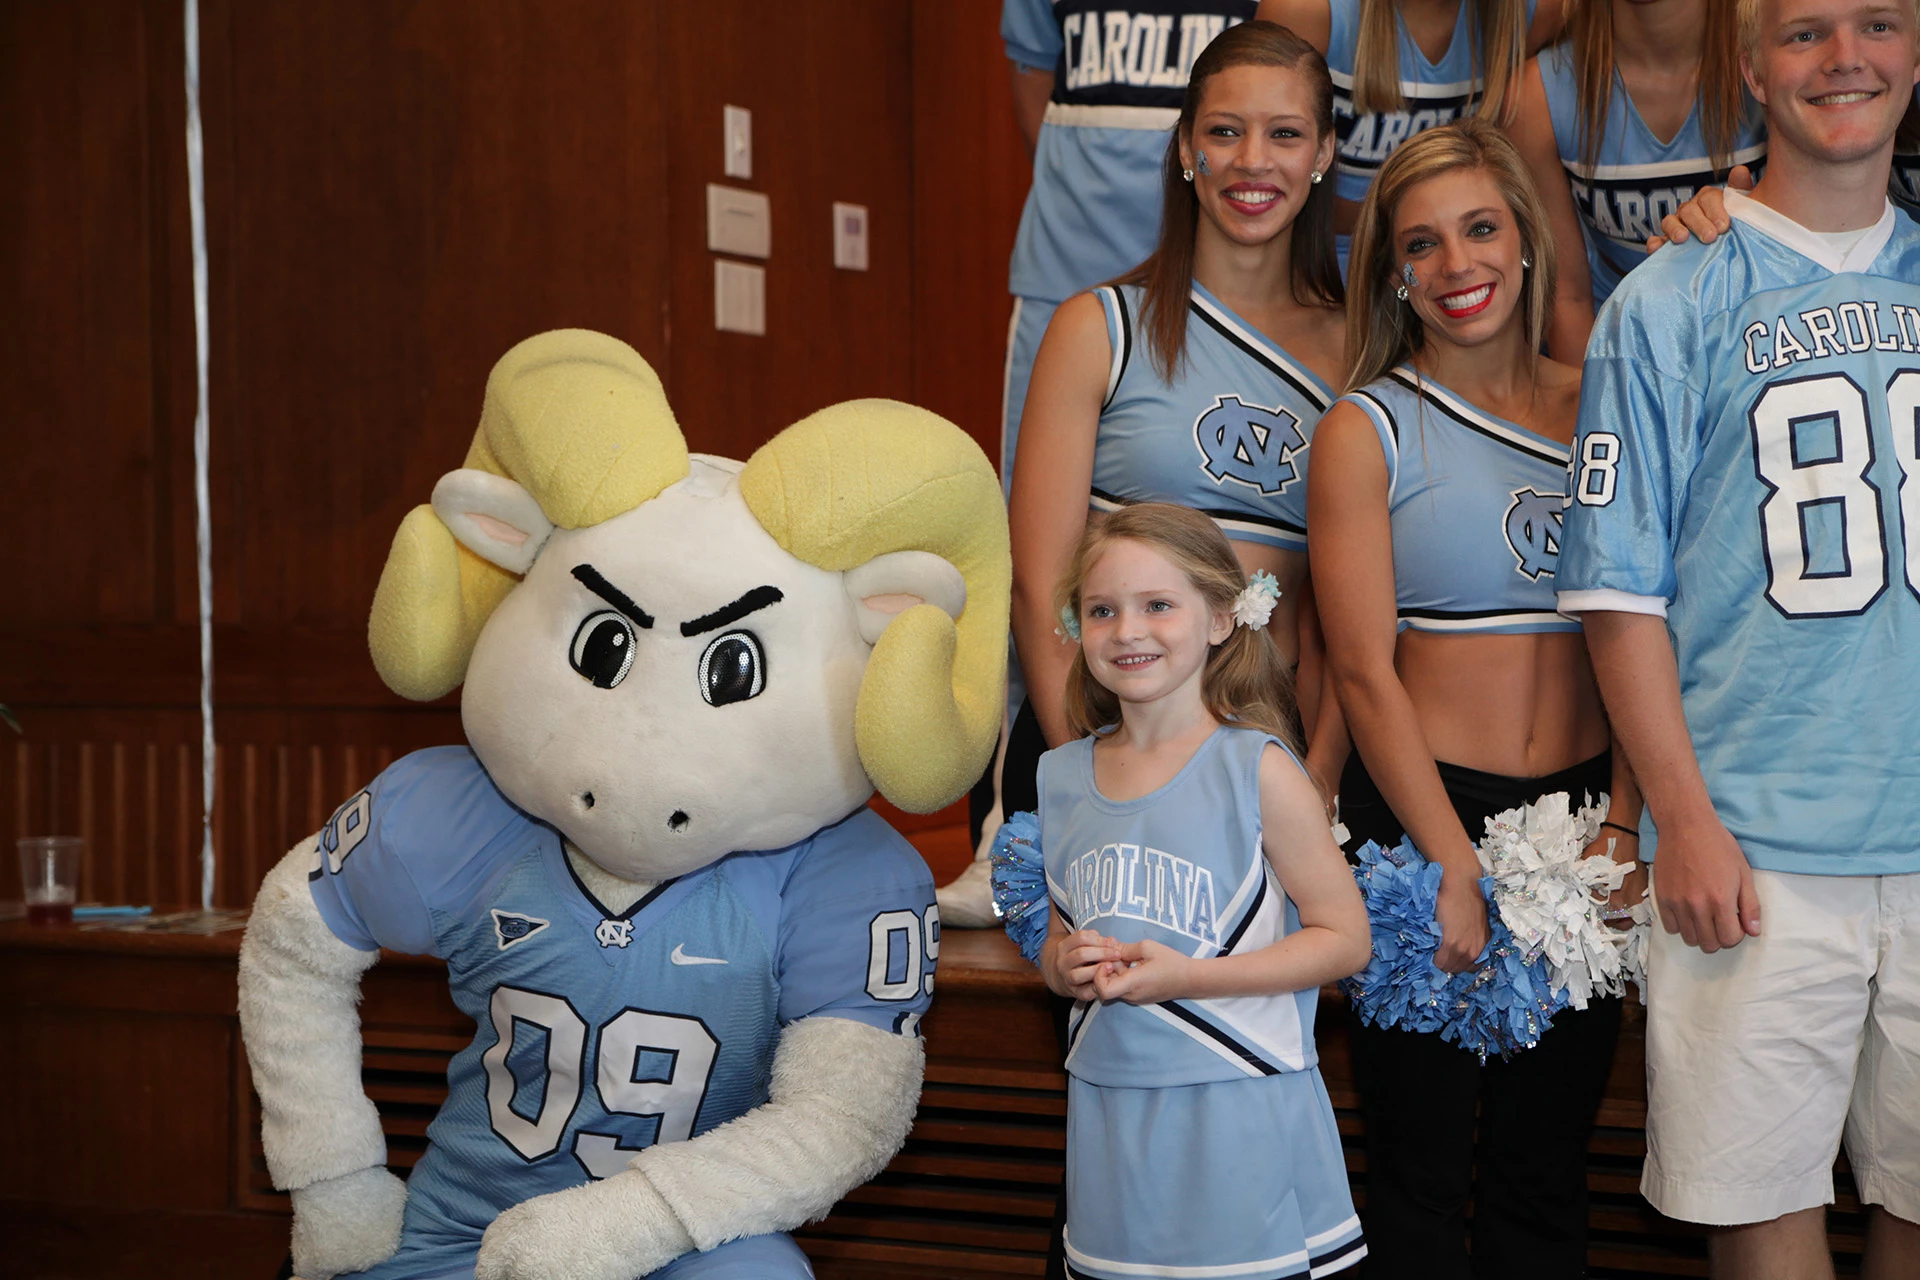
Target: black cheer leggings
{"type": "Point", "coordinates": [1524, 1161]}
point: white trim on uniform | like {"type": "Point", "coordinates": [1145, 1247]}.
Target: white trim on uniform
{"type": "Point", "coordinates": [1309, 383]}
{"type": "Point", "coordinates": [1608, 600]}
{"type": "Point", "coordinates": [1072, 115]}
{"type": "Point", "coordinates": [1225, 1271]}
{"type": "Point", "coordinates": [1343, 83]}
{"type": "Point", "coordinates": [1483, 622]}
{"type": "Point", "coordinates": [1199, 1037]}
{"type": "Point", "coordinates": [1518, 437]}
{"type": "Point", "coordinates": [1653, 168]}
{"type": "Point", "coordinates": [1807, 243]}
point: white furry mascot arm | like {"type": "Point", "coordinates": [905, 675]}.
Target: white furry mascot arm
{"type": "Point", "coordinates": [298, 988]}
{"type": "Point", "coordinates": [843, 1100]}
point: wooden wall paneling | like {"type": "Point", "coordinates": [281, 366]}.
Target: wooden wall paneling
{"type": "Point", "coordinates": [828, 83]}
{"type": "Point", "coordinates": [409, 191]}
{"type": "Point", "coordinates": [970, 177]}
{"type": "Point", "coordinates": [77, 495]}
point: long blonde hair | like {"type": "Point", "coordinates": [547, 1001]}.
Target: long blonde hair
{"type": "Point", "coordinates": [1498, 36]}
{"type": "Point", "coordinates": [1721, 93]}
{"type": "Point", "coordinates": [1383, 331]}
{"type": "Point", "coordinates": [1245, 682]}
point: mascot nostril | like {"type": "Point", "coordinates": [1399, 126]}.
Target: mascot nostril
{"type": "Point", "coordinates": [785, 950]}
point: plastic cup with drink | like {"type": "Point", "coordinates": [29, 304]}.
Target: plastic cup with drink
{"type": "Point", "coordinates": [50, 877]}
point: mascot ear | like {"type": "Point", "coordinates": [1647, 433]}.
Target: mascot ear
{"type": "Point", "coordinates": [889, 585]}
{"type": "Point", "coordinates": [492, 517]}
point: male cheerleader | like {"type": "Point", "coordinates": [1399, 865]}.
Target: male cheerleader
{"type": "Point", "coordinates": [1748, 470]}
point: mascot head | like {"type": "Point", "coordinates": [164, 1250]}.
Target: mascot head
{"type": "Point", "coordinates": [670, 657]}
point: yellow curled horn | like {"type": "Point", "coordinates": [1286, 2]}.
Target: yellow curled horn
{"type": "Point", "coordinates": [581, 422]}
{"type": "Point", "coordinates": [869, 477]}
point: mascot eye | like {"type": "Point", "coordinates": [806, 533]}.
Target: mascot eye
{"type": "Point", "coordinates": [733, 669]}
{"type": "Point", "coordinates": [603, 648]}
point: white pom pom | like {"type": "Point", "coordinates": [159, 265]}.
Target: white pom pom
{"type": "Point", "coordinates": [1553, 899]}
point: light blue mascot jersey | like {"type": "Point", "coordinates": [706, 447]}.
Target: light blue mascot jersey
{"type": "Point", "coordinates": [1476, 504]}
{"type": "Point", "coordinates": [1635, 180]}
{"type": "Point", "coordinates": [601, 1033]}
{"type": "Point", "coordinates": [1436, 93]}
{"type": "Point", "coordinates": [1749, 433]}
{"type": "Point", "coordinates": [1227, 436]}
{"type": "Point", "coordinates": [1181, 866]}
{"type": "Point", "coordinates": [1119, 77]}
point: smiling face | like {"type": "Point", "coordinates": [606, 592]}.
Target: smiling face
{"type": "Point", "coordinates": [1145, 629]}
{"type": "Point", "coordinates": [1255, 129]}
{"type": "Point", "coordinates": [1459, 236]}
{"type": "Point", "coordinates": [1835, 75]}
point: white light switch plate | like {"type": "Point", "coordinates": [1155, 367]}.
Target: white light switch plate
{"type": "Point", "coordinates": [737, 139]}
{"type": "Point", "coordinates": [739, 297]}
{"type": "Point", "coordinates": [739, 222]}
{"type": "Point", "coordinates": [850, 236]}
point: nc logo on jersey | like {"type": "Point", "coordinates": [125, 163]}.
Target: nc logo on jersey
{"type": "Point", "coordinates": [614, 933]}
{"type": "Point", "coordinates": [1249, 444]}
{"type": "Point", "coordinates": [1533, 531]}
{"type": "Point", "coordinates": [511, 927]}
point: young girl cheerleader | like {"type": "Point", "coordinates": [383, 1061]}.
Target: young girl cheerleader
{"type": "Point", "coordinates": [1401, 67]}
{"type": "Point", "coordinates": [1198, 377]}
{"type": "Point", "coordinates": [1198, 905]}
{"type": "Point", "coordinates": [1637, 110]}
{"type": "Point", "coordinates": [1437, 490]}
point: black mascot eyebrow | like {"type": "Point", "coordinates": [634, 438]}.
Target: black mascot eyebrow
{"type": "Point", "coordinates": [590, 578]}
{"type": "Point", "coordinates": [758, 598]}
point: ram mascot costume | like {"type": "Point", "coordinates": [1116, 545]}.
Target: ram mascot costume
{"type": "Point", "coordinates": [697, 962]}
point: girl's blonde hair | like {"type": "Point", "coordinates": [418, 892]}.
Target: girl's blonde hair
{"type": "Point", "coordinates": [1383, 331]}
{"type": "Point", "coordinates": [1722, 95]}
{"type": "Point", "coordinates": [1244, 682]}
{"type": "Point", "coordinates": [1498, 35]}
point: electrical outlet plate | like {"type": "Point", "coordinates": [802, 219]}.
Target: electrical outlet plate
{"type": "Point", "coordinates": [737, 141]}
{"type": "Point", "coordinates": [850, 236]}
{"type": "Point", "coordinates": [739, 297]}
{"type": "Point", "coordinates": [739, 222]}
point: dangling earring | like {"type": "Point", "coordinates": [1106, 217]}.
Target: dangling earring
{"type": "Point", "coordinates": [1400, 292]}
{"type": "Point", "coordinates": [1187, 174]}
{"type": "Point", "coordinates": [1526, 263]}
{"type": "Point", "coordinates": [1316, 177]}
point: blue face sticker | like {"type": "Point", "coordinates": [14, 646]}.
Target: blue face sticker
{"type": "Point", "coordinates": [1406, 275]}
{"type": "Point", "coordinates": [1201, 165]}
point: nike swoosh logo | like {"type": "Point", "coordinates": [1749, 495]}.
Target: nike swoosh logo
{"type": "Point", "coordinates": [680, 956]}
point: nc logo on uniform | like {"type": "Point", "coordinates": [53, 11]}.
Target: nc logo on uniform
{"type": "Point", "coordinates": [1533, 530]}
{"type": "Point", "coordinates": [614, 933]}
{"type": "Point", "coordinates": [1249, 444]}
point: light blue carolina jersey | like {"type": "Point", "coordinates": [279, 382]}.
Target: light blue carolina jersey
{"type": "Point", "coordinates": [601, 1033]}
{"type": "Point", "coordinates": [1436, 93]}
{"type": "Point", "coordinates": [1228, 436]}
{"type": "Point", "coordinates": [1182, 866]}
{"type": "Point", "coordinates": [1748, 450]}
{"type": "Point", "coordinates": [1904, 184]}
{"type": "Point", "coordinates": [1476, 504]}
{"type": "Point", "coordinates": [1119, 77]}
{"type": "Point", "coordinates": [1635, 180]}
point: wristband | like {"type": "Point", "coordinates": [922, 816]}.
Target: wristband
{"type": "Point", "coordinates": [1617, 827]}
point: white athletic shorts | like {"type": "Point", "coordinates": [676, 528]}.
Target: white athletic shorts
{"type": "Point", "coordinates": [1758, 1056]}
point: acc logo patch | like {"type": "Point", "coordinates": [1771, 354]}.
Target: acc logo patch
{"type": "Point", "coordinates": [1249, 444]}
{"type": "Point", "coordinates": [511, 927]}
{"type": "Point", "coordinates": [1533, 531]}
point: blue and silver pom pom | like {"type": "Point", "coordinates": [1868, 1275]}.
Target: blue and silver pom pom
{"type": "Point", "coordinates": [1502, 1005]}
{"type": "Point", "coordinates": [1020, 883]}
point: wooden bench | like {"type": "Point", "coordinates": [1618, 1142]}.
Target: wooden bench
{"type": "Point", "coordinates": [135, 1139]}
